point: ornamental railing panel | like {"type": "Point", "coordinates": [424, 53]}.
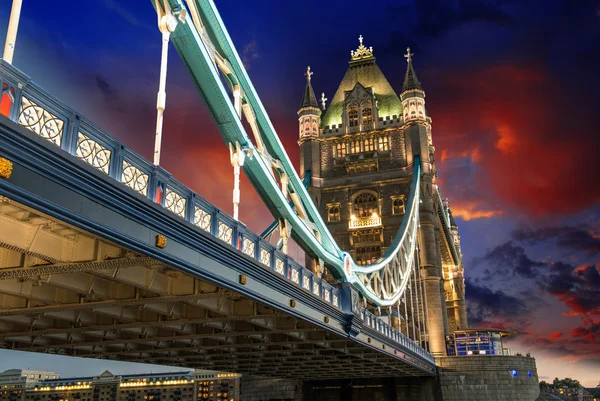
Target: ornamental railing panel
{"type": "Point", "coordinates": [41, 121]}
{"type": "Point", "coordinates": [93, 153]}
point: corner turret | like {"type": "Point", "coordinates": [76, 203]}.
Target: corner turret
{"type": "Point", "coordinates": [413, 95]}
{"type": "Point", "coordinates": [309, 125]}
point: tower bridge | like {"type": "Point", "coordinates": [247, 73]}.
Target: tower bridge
{"type": "Point", "coordinates": [106, 255]}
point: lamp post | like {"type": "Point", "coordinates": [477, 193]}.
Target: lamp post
{"type": "Point", "coordinates": [11, 34]}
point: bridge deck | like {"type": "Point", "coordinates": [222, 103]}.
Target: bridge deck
{"type": "Point", "coordinates": [81, 274]}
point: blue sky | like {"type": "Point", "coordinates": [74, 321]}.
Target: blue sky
{"type": "Point", "coordinates": [511, 88]}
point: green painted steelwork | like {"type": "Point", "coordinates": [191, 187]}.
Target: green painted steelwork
{"type": "Point", "coordinates": [207, 51]}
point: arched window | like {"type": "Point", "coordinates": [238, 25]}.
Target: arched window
{"type": "Point", "coordinates": [384, 144]}
{"type": "Point", "coordinates": [367, 254]}
{"type": "Point", "coordinates": [367, 115]}
{"type": "Point", "coordinates": [397, 205]}
{"type": "Point", "coordinates": [333, 212]}
{"type": "Point", "coordinates": [340, 149]}
{"type": "Point", "coordinates": [353, 118]}
{"type": "Point", "coordinates": [365, 203]}
{"type": "Point", "coordinates": [369, 145]}
{"type": "Point", "coordinates": [355, 146]}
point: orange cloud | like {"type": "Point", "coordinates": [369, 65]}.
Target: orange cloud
{"type": "Point", "coordinates": [471, 210]}
{"type": "Point", "coordinates": [555, 335]}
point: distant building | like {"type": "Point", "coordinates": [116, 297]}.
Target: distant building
{"type": "Point", "coordinates": [477, 342]}
{"type": "Point", "coordinates": [14, 382]}
{"type": "Point", "coordinates": [30, 385]}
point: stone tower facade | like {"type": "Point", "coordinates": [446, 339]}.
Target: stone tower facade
{"type": "Point", "coordinates": [360, 158]}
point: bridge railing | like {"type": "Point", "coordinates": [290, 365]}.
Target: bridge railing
{"type": "Point", "coordinates": [29, 105]}
{"type": "Point", "coordinates": [380, 326]}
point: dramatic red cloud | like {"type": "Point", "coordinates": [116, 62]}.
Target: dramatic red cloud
{"type": "Point", "coordinates": [534, 149]}
{"type": "Point", "coordinates": [555, 335]}
{"type": "Point", "coordinates": [589, 331]}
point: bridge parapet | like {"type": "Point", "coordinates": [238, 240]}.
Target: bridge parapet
{"type": "Point", "coordinates": [49, 118]}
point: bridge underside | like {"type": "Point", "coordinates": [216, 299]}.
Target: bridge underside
{"type": "Point", "coordinates": [67, 292]}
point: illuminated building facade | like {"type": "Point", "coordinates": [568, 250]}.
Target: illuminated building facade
{"type": "Point", "coordinates": [478, 342]}
{"type": "Point", "coordinates": [174, 386]}
{"type": "Point", "coordinates": [359, 152]}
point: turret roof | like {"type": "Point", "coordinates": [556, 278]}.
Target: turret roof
{"type": "Point", "coordinates": [309, 99]}
{"type": "Point", "coordinates": [410, 79]}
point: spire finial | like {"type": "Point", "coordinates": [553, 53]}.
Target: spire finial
{"type": "Point", "coordinates": [408, 55]}
{"type": "Point", "coordinates": [362, 51]}
{"type": "Point", "coordinates": [308, 73]}
{"type": "Point", "coordinates": [323, 100]}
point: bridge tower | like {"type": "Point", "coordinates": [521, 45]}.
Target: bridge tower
{"type": "Point", "coordinates": [366, 142]}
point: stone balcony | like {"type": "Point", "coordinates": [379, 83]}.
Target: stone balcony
{"type": "Point", "coordinates": [364, 222]}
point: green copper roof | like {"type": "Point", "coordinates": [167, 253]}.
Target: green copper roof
{"type": "Point", "coordinates": [369, 75]}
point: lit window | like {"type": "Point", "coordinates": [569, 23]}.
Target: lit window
{"type": "Point", "coordinates": [384, 145]}
{"type": "Point", "coordinates": [353, 118]}
{"type": "Point", "coordinates": [365, 204]}
{"type": "Point", "coordinates": [398, 205]}
{"type": "Point", "coordinates": [340, 149]}
{"type": "Point", "coordinates": [367, 254]}
{"type": "Point", "coordinates": [369, 145]}
{"type": "Point", "coordinates": [333, 212]}
{"type": "Point", "coordinates": [367, 116]}
{"type": "Point", "coordinates": [355, 146]}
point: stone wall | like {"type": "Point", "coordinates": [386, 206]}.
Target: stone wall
{"type": "Point", "coordinates": [254, 388]}
{"type": "Point", "coordinates": [488, 378]}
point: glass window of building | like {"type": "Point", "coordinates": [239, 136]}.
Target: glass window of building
{"type": "Point", "coordinates": [365, 204]}
{"type": "Point", "coordinates": [384, 145]}
{"type": "Point", "coordinates": [353, 118]}
{"type": "Point", "coordinates": [333, 212]}
{"type": "Point", "coordinates": [340, 149]}
{"type": "Point", "coordinates": [367, 115]}
{"type": "Point", "coordinates": [398, 205]}
{"type": "Point", "coordinates": [367, 254]}
{"type": "Point", "coordinates": [369, 144]}
{"type": "Point", "coordinates": [355, 146]}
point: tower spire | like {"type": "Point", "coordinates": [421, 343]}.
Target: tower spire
{"type": "Point", "coordinates": [309, 99]}
{"type": "Point", "coordinates": [410, 79]}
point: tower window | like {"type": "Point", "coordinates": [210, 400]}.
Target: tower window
{"type": "Point", "coordinates": [365, 204]}
{"type": "Point", "coordinates": [367, 254]}
{"type": "Point", "coordinates": [333, 212]}
{"type": "Point", "coordinates": [353, 118]}
{"type": "Point", "coordinates": [340, 149]}
{"type": "Point", "coordinates": [398, 205]}
{"type": "Point", "coordinates": [384, 144]}
{"type": "Point", "coordinates": [355, 146]}
{"type": "Point", "coordinates": [367, 115]}
{"type": "Point", "coordinates": [369, 145]}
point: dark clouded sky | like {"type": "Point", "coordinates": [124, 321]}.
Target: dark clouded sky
{"type": "Point", "coordinates": [512, 88]}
